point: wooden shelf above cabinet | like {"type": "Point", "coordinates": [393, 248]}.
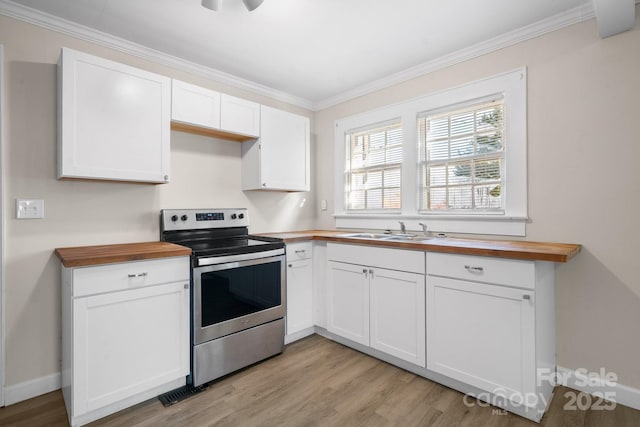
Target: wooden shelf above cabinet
{"type": "Point", "coordinates": [214, 133]}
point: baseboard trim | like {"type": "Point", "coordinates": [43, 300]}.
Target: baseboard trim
{"type": "Point", "coordinates": [596, 385]}
{"type": "Point", "coordinates": [32, 388]}
{"type": "Point", "coordinates": [299, 335]}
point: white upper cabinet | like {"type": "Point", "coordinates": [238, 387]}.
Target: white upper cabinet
{"type": "Point", "coordinates": [195, 105]}
{"type": "Point", "coordinates": [114, 120]}
{"type": "Point", "coordinates": [195, 109]}
{"type": "Point", "coordinates": [239, 116]}
{"type": "Point", "coordinates": [280, 159]}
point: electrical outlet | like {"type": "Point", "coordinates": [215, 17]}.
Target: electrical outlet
{"type": "Point", "coordinates": [29, 209]}
{"type": "Point", "coordinates": [323, 205]}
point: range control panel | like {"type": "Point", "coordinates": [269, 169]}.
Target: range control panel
{"type": "Point", "coordinates": [191, 219]}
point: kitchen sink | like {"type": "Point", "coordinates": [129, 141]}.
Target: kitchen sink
{"type": "Point", "coordinates": [400, 237]}
{"type": "Point", "coordinates": [386, 237]}
{"type": "Point", "coordinates": [364, 235]}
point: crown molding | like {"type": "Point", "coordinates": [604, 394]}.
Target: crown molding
{"type": "Point", "coordinates": [50, 22]}
{"type": "Point", "coordinates": [553, 23]}
{"type": "Point", "coordinates": [41, 19]}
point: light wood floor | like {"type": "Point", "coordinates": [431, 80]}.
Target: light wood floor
{"type": "Point", "coordinates": [317, 382]}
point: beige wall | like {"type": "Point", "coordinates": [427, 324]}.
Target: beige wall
{"type": "Point", "coordinates": [583, 159]}
{"type": "Point", "coordinates": [205, 173]}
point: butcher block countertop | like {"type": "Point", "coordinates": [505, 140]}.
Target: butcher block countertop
{"type": "Point", "coordinates": [532, 251]}
{"type": "Point", "coordinates": [83, 256]}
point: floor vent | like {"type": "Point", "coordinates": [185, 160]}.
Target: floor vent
{"type": "Point", "coordinates": [174, 396]}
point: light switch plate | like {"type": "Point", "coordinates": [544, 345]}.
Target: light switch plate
{"type": "Point", "coordinates": [29, 208]}
{"type": "Point", "coordinates": [323, 205]}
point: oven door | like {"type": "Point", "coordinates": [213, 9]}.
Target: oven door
{"type": "Point", "coordinates": [237, 295]}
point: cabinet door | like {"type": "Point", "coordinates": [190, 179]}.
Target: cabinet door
{"type": "Point", "coordinates": [239, 116]}
{"type": "Point", "coordinates": [299, 295]}
{"type": "Point", "coordinates": [398, 314]}
{"type": "Point", "coordinates": [348, 301]}
{"type": "Point", "coordinates": [195, 105]}
{"type": "Point", "coordinates": [114, 120]}
{"type": "Point", "coordinates": [127, 342]}
{"type": "Point", "coordinates": [482, 335]}
{"type": "Point", "coordinates": [284, 150]}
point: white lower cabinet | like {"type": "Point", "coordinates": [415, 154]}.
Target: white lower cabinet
{"type": "Point", "coordinates": [299, 296]}
{"type": "Point", "coordinates": [300, 299]}
{"type": "Point", "coordinates": [128, 342]}
{"type": "Point", "coordinates": [397, 310]}
{"type": "Point", "coordinates": [375, 306]}
{"type": "Point", "coordinates": [348, 301]}
{"type": "Point", "coordinates": [490, 324]}
{"type": "Point", "coordinates": [481, 334]}
{"type": "Point", "coordinates": [482, 325]}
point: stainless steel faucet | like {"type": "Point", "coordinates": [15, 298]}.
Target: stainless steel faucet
{"type": "Point", "coordinates": [424, 227]}
{"type": "Point", "coordinates": [403, 229]}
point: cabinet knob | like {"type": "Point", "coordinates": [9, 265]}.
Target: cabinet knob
{"type": "Point", "coordinates": [366, 272]}
{"type": "Point", "coordinates": [290, 265]}
{"type": "Point", "coordinates": [526, 297]}
{"type": "Point", "coordinates": [186, 286]}
{"type": "Point", "coordinates": [264, 184]}
{"type": "Point", "coordinates": [166, 177]}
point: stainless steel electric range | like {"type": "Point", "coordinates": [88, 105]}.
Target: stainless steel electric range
{"type": "Point", "coordinates": [237, 292]}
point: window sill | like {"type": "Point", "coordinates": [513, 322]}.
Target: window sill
{"type": "Point", "coordinates": [499, 225]}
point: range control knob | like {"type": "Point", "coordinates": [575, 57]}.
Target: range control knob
{"type": "Point", "coordinates": [184, 217]}
{"type": "Point", "coordinates": [174, 218]}
{"type": "Point", "coordinates": [240, 216]}
{"type": "Point", "coordinates": [233, 216]}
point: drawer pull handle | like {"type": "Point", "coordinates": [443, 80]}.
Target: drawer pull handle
{"type": "Point", "coordinates": [474, 269]}
{"type": "Point", "coordinates": [138, 275]}
{"type": "Point", "coordinates": [300, 251]}
{"type": "Point", "coordinates": [371, 272]}
{"type": "Point", "coordinates": [366, 272]}
{"type": "Point", "coordinates": [526, 297]}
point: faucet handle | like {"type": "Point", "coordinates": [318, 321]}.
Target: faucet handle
{"type": "Point", "coordinates": [424, 227]}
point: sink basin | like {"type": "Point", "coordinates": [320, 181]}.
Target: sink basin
{"type": "Point", "coordinates": [375, 236]}
{"type": "Point", "coordinates": [400, 238]}
{"type": "Point", "coordinates": [388, 237]}
{"type": "Point", "coordinates": [364, 235]}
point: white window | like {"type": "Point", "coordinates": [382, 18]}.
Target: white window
{"type": "Point", "coordinates": [461, 165]}
{"type": "Point", "coordinates": [374, 167]}
{"type": "Point", "coordinates": [462, 159]}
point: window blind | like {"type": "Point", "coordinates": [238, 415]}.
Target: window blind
{"type": "Point", "coordinates": [374, 166]}
{"type": "Point", "coordinates": [462, 159]}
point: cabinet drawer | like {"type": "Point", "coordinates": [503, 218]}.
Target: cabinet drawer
{"type": "Point", "coordinates": [392, 259]}
{"type": "Point", "coordinates": [302, 250]}
{"type": "Point", "coordinates": [129, 275]}
{"type": "Point", "coordinates": [499, 271]}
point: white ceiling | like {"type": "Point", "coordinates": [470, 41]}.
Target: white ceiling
{"type": "Point", "coordinates": [315, 50]}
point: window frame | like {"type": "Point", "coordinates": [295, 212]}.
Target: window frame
{"type": "Point", "coordinates": [512, 222]}
{"type": "Point", "coordinates": [449, 111]}
{"type": "Point", "coordinates": [383, 167]}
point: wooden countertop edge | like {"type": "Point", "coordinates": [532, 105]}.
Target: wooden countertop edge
{"type": "Point", "coordinates": [84, 256]}
{"type": "Point", "coordinates": [525, 250]}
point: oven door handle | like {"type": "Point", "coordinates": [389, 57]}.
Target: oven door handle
{"type": "Point", "coordinates": [241, 257]}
